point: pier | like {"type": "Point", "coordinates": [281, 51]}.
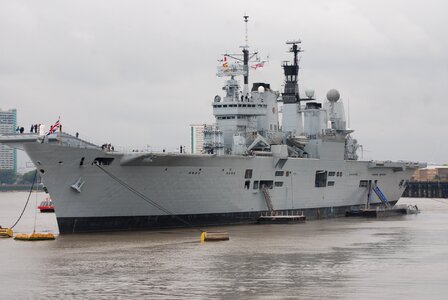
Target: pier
{"type": "Point", "coordinates": [426, 189]}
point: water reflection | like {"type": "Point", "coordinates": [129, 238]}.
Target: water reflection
{"type": "Point", "coordinates": [343, 258]}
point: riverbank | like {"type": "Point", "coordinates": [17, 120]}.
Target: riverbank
{"type": "Point", "coordinates": [18, 187]}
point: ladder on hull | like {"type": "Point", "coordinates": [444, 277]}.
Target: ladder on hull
{"type": "Point", "coordinates": [267, 199]}
{"type": "Point", "coordinates": [277, 217]}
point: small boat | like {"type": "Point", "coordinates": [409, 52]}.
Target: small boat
{"type": "Point", "coordinates": [412, 209]}
{"type": "Point", "coordinates": [381, 211]}
{"type": "Point", "coordinates": [46, 206]}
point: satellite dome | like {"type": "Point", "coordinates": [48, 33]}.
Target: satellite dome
{"type": "Point", "coordinates": [309, 93]}
{"type": "Point", "coordinates": [217, 98]}
{"type": "Point", "coordinates": [333, 95]}
{"type": "Point", "coordinates": [261, 89]}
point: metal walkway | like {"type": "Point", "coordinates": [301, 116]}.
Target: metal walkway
{"type": "Point", "coordinates": [380, 195]}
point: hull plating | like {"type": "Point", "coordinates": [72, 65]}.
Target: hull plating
{"type": "Point", "coordinates": [205, 190]}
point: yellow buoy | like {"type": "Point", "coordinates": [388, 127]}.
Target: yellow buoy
{"type": "Point", "coordinates": [6, 232]}
{"type": "Point", "coordinates": [214, 236]}
{"type": "Point", "coordinates": [35, 236]}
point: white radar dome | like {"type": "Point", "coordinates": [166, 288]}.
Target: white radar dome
{"type": "Point", "coordinates": [309, 93]}
{"type": "Point", "coordinates": [261, 89]}
{"type": "Point", "coordinates": [333, 95]}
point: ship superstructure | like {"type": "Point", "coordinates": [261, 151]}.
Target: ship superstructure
{"type": "Point", "coordinates": [248, 122]}
{"type": "Point", "coordinates": [251, 164]}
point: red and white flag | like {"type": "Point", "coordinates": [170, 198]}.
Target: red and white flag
{"type": "Point", "coordinates": [54, 127]}
{"type": "Point", "coordinates": [258, 65]}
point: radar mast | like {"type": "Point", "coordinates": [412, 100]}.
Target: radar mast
{"type": "Point", "coordinates": [240, 64]}
{"type": "Point", "coordinates": [246, 58]}
{"type": "Point", "coordinates": [291, 71]}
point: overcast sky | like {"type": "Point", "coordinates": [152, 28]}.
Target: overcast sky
{"type": "Point", "coordinates": [137, 73]}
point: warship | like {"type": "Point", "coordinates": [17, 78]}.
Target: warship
{"type": "Point", "coordinates": [253, 163]}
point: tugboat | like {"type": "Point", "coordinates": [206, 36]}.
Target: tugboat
{"type": "Point", "coordinates": [46, 206]}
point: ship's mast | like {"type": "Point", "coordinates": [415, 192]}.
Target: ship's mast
{"type": "Point", "coordinates": [246, 59]}
{"type": "Point", "coordinates": [291, 93]}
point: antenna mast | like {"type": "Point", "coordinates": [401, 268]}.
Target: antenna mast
{"type": "Point", "coordinates": [236, 69]}
{"type": "Point", "coordinates": [246, 19]}
{"type": "Point", "coordinates": [246, 58]}
{"type": "Point", "coordinates": [348, 100]}
{"type": "Point", "coordinates": [291, 93]}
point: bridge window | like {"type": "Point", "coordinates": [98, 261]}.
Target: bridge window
{"type": "Point", "coordinates": [330, 183]}
{"type": "Point", "coordinates": [331, 173]}
{"type": "Point", "coordinates": [278, 184]}
{"type": "Point", "coordinates": [321, 179]}
{"type": "Point", "coordinates": [279, 173]}
{"type": "Point", "coordinates": [248, 173]}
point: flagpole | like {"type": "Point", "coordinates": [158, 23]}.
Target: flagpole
{"type": "Point", "coordinates": [60, 130]}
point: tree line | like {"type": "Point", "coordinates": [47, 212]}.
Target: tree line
{"type": "Point", "coordinates": [11, 177]}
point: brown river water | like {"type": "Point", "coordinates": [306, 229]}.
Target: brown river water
{"type": "Point", "coordinates": [402, 257]}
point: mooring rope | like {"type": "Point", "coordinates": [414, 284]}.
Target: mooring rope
{"type": "Point", "coordinates": [29, 195]}
{"type": "Point", "coordinates": [145, 198]}
{"type": "Point", "coordinates": [35, 211]}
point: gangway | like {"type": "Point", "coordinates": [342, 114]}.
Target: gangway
{"type": "Point", "coordinates": [381, 211]}
{"type": "Point", "coordinates": [267, 199]}
{"type": "Point", "coordinates": [278, 217]}
{"type": "Point", "coordinates": [380, 195]}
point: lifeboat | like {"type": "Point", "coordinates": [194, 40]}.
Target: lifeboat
{"type": "Point", "coordinates": [46, 206]}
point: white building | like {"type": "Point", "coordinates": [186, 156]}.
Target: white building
{"type": "Point", "coordinates": [8, 124]}
{"type": "Point", "coordinates": [197, 138]}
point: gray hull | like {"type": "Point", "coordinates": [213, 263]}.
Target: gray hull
{"type": "Point", "coordinates": [200, 189]}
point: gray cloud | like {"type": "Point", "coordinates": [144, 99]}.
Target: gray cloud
{"type": "Point", "coordinates": [137, 73]}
